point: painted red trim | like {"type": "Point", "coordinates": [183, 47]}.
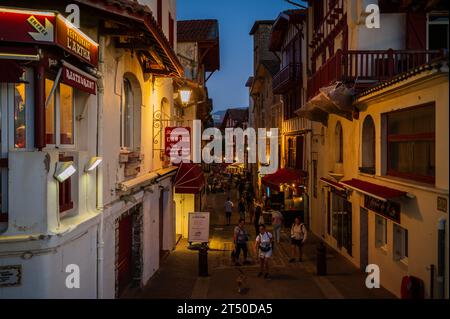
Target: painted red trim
{"type": "Point", "coordinates": [414, 177]}
{"type": "Point", "coordinates": [159, 12]}
{"type": "Point", "coordinates": [39, 110]}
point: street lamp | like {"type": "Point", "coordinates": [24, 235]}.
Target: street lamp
{"type": "Point", "coordinates": [92, 164]}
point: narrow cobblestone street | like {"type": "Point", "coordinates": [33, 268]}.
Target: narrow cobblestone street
{"type": "Point", "coordinates": [178, 278]}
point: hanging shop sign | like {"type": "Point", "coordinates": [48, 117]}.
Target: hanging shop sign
{"type": "Point", "coordinates": [388, 209]}
{"type": "Point", "coordinates": [29, 26]}
{"type": "Point", "coordinates": [178, 139]}
{"type": "Point", "coordinates": [78, 79]}
{"type": "Point", "coordinates": [198, 231]}
{"type": "Point", "coordinates": [10, 276]}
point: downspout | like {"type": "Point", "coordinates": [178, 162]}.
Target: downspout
{"type": "Point", "coordinates": [99, 172]}
{"type": "Point", "coordinates": [441, 258]}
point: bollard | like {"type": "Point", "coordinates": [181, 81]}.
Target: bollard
{"type": "Point", "coordinates": [203, 261]}
{"type": "Point", "coordinates": [321, 259]}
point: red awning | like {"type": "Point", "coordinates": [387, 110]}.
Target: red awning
{"type": "Point", "coordinates": [285, 176]}
{"type": "Point", "coordinates": [332, 183]}
{"type": "Point", "coordinates": [11, 71]}
{"type": "Point", "coordinates": [380, 192]}
{"type": "Point", "coordinates": [189, 179]}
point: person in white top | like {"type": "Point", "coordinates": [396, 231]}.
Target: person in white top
{"type": "Point", "coordinates": [264, 247]}
{"type": "Point", "coordinates": [228, 210]}
{"type": "Point", "coordinates": [298, 238]}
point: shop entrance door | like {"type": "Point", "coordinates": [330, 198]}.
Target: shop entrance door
{"type": "Point", "coordinates": [124, 262]}
{"type": "Point", "coordinates": [364, 239]}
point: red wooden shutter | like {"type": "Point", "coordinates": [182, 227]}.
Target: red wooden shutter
{"type": "Point", "coordinates": [299, 153]}
{"type": "Point", "coordinates": [159, 12]}
{"type": "Point", "coordinates": [65, 190]}
{"type": "Point", "coordinates": [416, 31]}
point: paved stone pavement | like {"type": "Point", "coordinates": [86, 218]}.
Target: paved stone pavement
{"type": "Point", "coordinates": [177, 278]}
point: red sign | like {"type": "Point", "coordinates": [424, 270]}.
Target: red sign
{"type": "Point", "coordinates": [178, 142]}
{"type": "Point", "coordinates": [76, 42]}
{"type": "Point", "coordinates": [78, 79]}
{"type": "Point", "coordinates": [29, 26]}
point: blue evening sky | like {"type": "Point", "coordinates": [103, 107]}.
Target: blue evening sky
{"type": "Point", "coordinates": [236, 18]}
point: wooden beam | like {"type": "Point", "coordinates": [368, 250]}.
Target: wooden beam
{"type": "Point", "coordinates": [121, 32]}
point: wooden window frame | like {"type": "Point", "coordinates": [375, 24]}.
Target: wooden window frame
{"type": "Point", "coordinates": [419, 137]}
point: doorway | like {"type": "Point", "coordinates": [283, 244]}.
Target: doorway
{"type": "Point", "coordinates": [364, 239]}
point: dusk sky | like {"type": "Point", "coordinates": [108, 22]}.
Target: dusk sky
{"type": "Point", "coordinates": [236, 18]}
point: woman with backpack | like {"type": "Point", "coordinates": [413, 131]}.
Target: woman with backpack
{"type": "Point", "coordinates": [298, 237]}
{"type": "Point", "coordinates": [264, 247]}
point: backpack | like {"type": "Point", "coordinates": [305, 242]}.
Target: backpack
{"type": "Point", "coordinates": [265, 248]}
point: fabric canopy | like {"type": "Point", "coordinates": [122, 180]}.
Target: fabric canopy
{"type": "Point", "coordinates": [11, 71]}
{"type": "Point", "coordinates": [189, 179]}
{"type": "Point", "coordinates": [284, 176]}
{"type": "Point", "coordinates": [380, 192]}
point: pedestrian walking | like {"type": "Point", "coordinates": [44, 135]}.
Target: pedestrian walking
{"type": "Point", "coordinates": [263, 245]}
{"type": "Point", "coordinates": [241, 208]}
{"type": "Point", "coordinates": [277, 223]}
{"type": "Point", "coordinates": [228, 210]}
{"type": "Point", "coordinates": [258, 214]}
{"type": "Point", "coordinates": [298, 238]}
{"type": "Point", "coordinates": [240, 241]}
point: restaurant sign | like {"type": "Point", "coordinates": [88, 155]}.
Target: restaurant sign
{"type": "Point", "coordinates": [388, 209]}
{"type": "Point", "coordinates": [78, 79]}
{"type": "Point", "coordinates": [30, 26]}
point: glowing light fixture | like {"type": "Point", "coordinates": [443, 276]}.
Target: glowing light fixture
{"type": "Point", "coordinates": [92, 164]}
{"type": "Point", "coordinates": [185, 94]}
{"type": "Point", "coordinates": [64, 170]}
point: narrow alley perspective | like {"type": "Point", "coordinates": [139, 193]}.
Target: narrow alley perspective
{"type": "Point", "coordinates": [178, 274]}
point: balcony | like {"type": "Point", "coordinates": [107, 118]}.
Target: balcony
{"type": "Point", "coordinates": [287, 78]}
{"type": "Point", "coordinates": [328, 26]}
{"type": "Point", "coordinates": [367, 68]}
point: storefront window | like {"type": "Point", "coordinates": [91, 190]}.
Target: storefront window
{"type": "Point", "coordinates": [49, 114]}
{"type": "Point", "coordinates": [66, 114]}
{"type": "Point", "coordinates": [380, 231]}
{"type": "Point", "coordinates": [20, 116]}
{"type": "Point", "coordinates": [400, 242]}
{"type": "Point", "coordinates": [342, 222]}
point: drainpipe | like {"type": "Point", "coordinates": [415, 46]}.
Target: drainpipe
{"type": "Point", "coordinates": [99, 176]}
{"type": "Point", "coordinates": [441, 258]}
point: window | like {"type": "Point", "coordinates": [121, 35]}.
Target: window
{"type": "Point", "coordinates": [20, 128]}
{"type": "Point", "coordinates": [368, 146]}
{"type": "Point", "coordinates": [400, 243]}
{"type": "Point", "coordinates": [59, 114]}
{"type": "Point", "coordinates": [380, 231]}
{"type": "Point", "coordinates": [127, 115]}
{"type": "Point", "coordinates": [314, 165]}
{"type": "Point", "coordinates": [339, 143]}
{"type": "Point", "coordinates": [438, 32]}
{"type": "Point", "coordinates": [299, 153]}
{"type": "Point", "coordinates": [291, 153]}
{"type": "Point", "coordinates": [411, 143]}
{"type": "Point", "coordinates": [130, 114]}
{"type": "Point", "coordinates": [65, 190]}
{"type": "Point", "coordinates": [50, 137]}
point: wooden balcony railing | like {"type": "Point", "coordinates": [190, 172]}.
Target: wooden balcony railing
{"type": "Point", "coordinates": [367, 67]}
{"type": "Point", "coordinates": [287, 78]}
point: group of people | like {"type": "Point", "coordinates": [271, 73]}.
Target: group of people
{"type": "Point", "coordinates": [264, 242]}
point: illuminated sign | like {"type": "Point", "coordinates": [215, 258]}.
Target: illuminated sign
{"type": "Point", "coordinates": [28, 26]}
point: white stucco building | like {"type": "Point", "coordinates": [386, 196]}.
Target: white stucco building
{"type": "Point", "coordinates": [116, 222]}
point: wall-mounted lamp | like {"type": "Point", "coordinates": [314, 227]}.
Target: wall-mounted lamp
{"type": "Point", "coordinates": [64, 170]}
{"type": "Point", "coordinates": [92, 164]}
{"type": "Point", "coordinates": [185, 94]}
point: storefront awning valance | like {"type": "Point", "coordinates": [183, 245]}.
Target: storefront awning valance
{"type": "Point", "coordinates": [285, 176]}
{"type": "Point", "coordinates": [11, 71]}
{"type": "Point", "coordinates": [382, 193]}
{"type": "Point", "coordinates": [189, 179]}
{"type": "Point", "coordinates": [332, 183]}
